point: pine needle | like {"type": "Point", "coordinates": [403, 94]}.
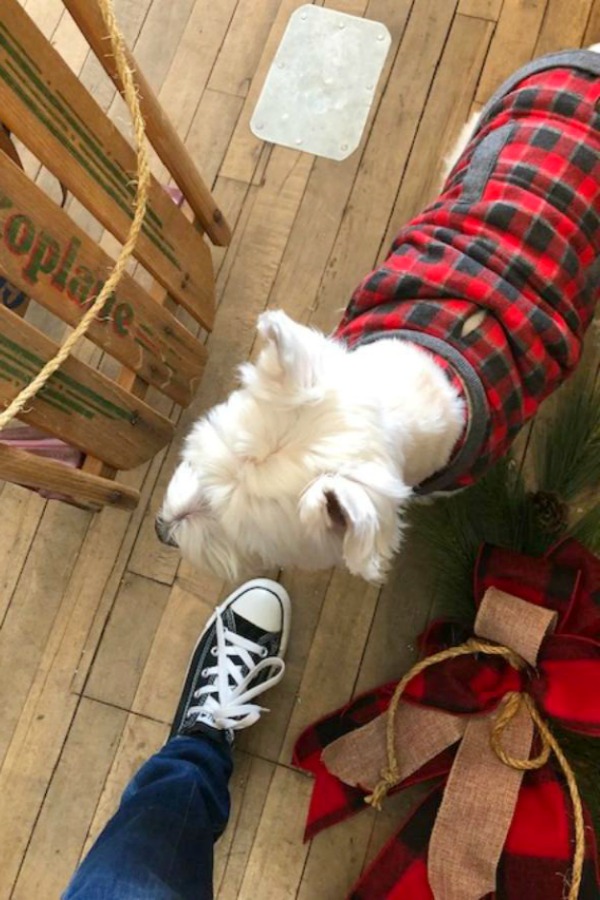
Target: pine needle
{"type": "Point", "coordinates": [586, 530]}
{"type": "Point", "coordinates": [566, 448]}
{"type": "Point", "coordinates": [495, 511]}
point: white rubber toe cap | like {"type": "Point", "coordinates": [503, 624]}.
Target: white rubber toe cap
{"type": "Point", "coordinates": [266, 604]}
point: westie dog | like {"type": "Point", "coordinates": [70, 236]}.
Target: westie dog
{"type": "Point", "coordinates": [444, 352]}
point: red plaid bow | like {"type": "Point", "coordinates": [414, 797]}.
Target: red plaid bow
{"type": "Point", "coordinates": [538, 852]}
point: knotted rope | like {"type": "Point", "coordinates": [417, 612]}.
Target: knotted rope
{"type": "Point", "coordinates": [143, 177]}
{"type": "Point", "coordinates": [511, 705]}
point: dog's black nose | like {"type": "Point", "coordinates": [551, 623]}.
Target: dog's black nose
{"type": "Point", "coordinates": [163, 533]}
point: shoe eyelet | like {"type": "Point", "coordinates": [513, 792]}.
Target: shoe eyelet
{"type": "Point", "coordinates": [204, 674]}
{"type": "Point", "coordinates": [264, 653]}
{"type": "Point", "coordinates": [214, 651]}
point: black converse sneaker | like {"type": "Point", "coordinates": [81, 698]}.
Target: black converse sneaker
{"type": "Point", "coordinates": [237, 657]}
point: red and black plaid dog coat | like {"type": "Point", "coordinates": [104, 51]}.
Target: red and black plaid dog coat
{"type": "Point", "coordinates": [515, 235]}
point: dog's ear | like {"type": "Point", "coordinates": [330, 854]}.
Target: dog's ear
{"type": "Point", "coordinates": [362, 508]}
{"type": "Point", "coordinates": [296, 349]}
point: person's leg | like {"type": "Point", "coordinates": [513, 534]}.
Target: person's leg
{"type": "Point", "coordinates": [159, 844]}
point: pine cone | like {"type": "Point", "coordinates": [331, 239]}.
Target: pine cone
{"type": "Point", "coordinates": [550, 511]}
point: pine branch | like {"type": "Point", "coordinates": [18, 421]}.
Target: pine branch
{"type": "Point", "coordinates": [566, 448]}
{"type": "Point", "coordinates": [497, 511]}
{"type": "Point", "coordinates": [586, 530]}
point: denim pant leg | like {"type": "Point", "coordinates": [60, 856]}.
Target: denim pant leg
{"type": "Point", "coordinates": [159, 843]}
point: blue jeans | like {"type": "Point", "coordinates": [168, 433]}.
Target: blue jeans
{"type": "Point", "coordinates": [159, 843]}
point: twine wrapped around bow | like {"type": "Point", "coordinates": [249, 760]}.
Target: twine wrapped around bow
{"type": "Point", "coordinates": [475, 712]}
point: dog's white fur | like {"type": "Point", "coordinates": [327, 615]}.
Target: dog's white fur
{"type": "Point", "coordinates": [311, 461]}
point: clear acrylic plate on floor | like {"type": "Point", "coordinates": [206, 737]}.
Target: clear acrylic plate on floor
{"type": "Point", "coordinates": [322, 81]}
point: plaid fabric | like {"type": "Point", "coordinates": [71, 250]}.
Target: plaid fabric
{"type": "Point", "coordinates": [514, 234]}
{"type": "Point", "coordinates": [535, 864]}
{"type": "Point", "coordinates": [566, 686]}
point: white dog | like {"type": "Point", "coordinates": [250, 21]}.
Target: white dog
{"type": "Point", "coordinates": [446, 349]}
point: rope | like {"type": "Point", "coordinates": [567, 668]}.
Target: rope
{"type": "Point", "coordinates": [20, 402]}
{"type": "Point", "coordinates": [512, 703]}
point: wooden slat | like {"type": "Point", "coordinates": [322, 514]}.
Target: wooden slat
{"type": "Point", "coordinates": [127, 641]}
{"type": "Point", "coordinates": [245, 149]}
{"type": "Point", "coordinates": [403, 610]}
{"type": "Point", "coordinates": [21, 513]}
{"type": "Point", "coordinates": [141, 738]}
{"type": "Point", "coordinates": [333, 866]}
{"type": "Point", "coordinates": [197, 50]}
{"type": "Point", "coordinates": [10, 296]}
{"type": "Point", "coordinates": [445, 113]}
{"type": "Point", "coordinates": [481, 9]}
{"type": "Point", "coordinates": [7, 147]}
{"type": "Point", "coordinates": [60, 831]}
{"type": "Point", "coordinates": [241, 50]}
{"type": "Point", "coordinates": [89, 491]}
{"type": "Point", "coordinates": [44, 104]}
{"type": "Point", "coordinates": [563, 26]}
{"type": "Point", "coordinates": [43, 252]}
{"type": "Point", "coordinates": [248, 788]}
{"type": "Point", "coordinates": [35, 605]}
{"type": "Point", "coordinates": [513, 43]}
{"type": "Point", "coordinates": [143, 479]}
{"type": "Point", "coordinates": [161, 133]}
{"type": "Point", "coordinates": [78, 405]}
{"type": "Point", "coordinates": [347, 205]}
{"type": "Point", "coordinates": [63, 655]}
{"type": "Point", "coordinates": [335, 653]}
{"type": "Point", "coordinates": [47, 14]}
{"type": "Point", "coordinates": [592, 32]}
{"type": "Point", "coordinates": [278, 853]}
{"type": "Point", "coordinates": [159, 688]}
{"type": "Point", "coordinates": [211, 130]}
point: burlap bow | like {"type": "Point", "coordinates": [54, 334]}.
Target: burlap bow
{"type": "Point", "coordinates": [481, 786]}
{"type": "Point", "coordinates": [503, 823]}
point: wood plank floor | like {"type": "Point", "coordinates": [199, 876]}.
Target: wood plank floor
{"type": "Point", "coordinates": [97, 619]}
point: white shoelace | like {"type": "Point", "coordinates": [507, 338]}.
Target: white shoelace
{"type": "Point", "coordinates": [227, 704]}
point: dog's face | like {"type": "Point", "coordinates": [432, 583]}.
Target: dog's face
{"type": "Point", "coordinates": [287, 471]}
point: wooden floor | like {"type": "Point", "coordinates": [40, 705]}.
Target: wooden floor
{"type": "Point", "coordinates": [97, 619]}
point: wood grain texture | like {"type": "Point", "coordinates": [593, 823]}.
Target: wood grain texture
{"type": "Point", "coordinates": [445, 112]}
{"type": "Point", "coordinates": [276, 861]}
{"type": "Point", "coordinates": [481, 9]}
{"type": "Point", "coordinates": [47, 108]}
{"type": "Point", "coordinates": [159, 128]}
{"type": "Point", "coordinates": [513, 43]}
{"type": "Point", "coordinates": [563, 27]}
{"type": "Point", "coordinates": [592, 32]}
{"type": "Point", "coordinates": [38, 598]}
{"type": "Point", "coordinates": [82, 488]}
{"type": "Point", "coordinates": [72, 798]}
{"type": "Point", "coordinates": [46, 255]}
{"type": "Point", "coordinates": [77, 404]}
{"type": "Point", "coordinates": [21, 513]}
{"type": "Point", "coordinates": [159, 687]}
{"type": "Point", "coordinates": [127, 641]}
